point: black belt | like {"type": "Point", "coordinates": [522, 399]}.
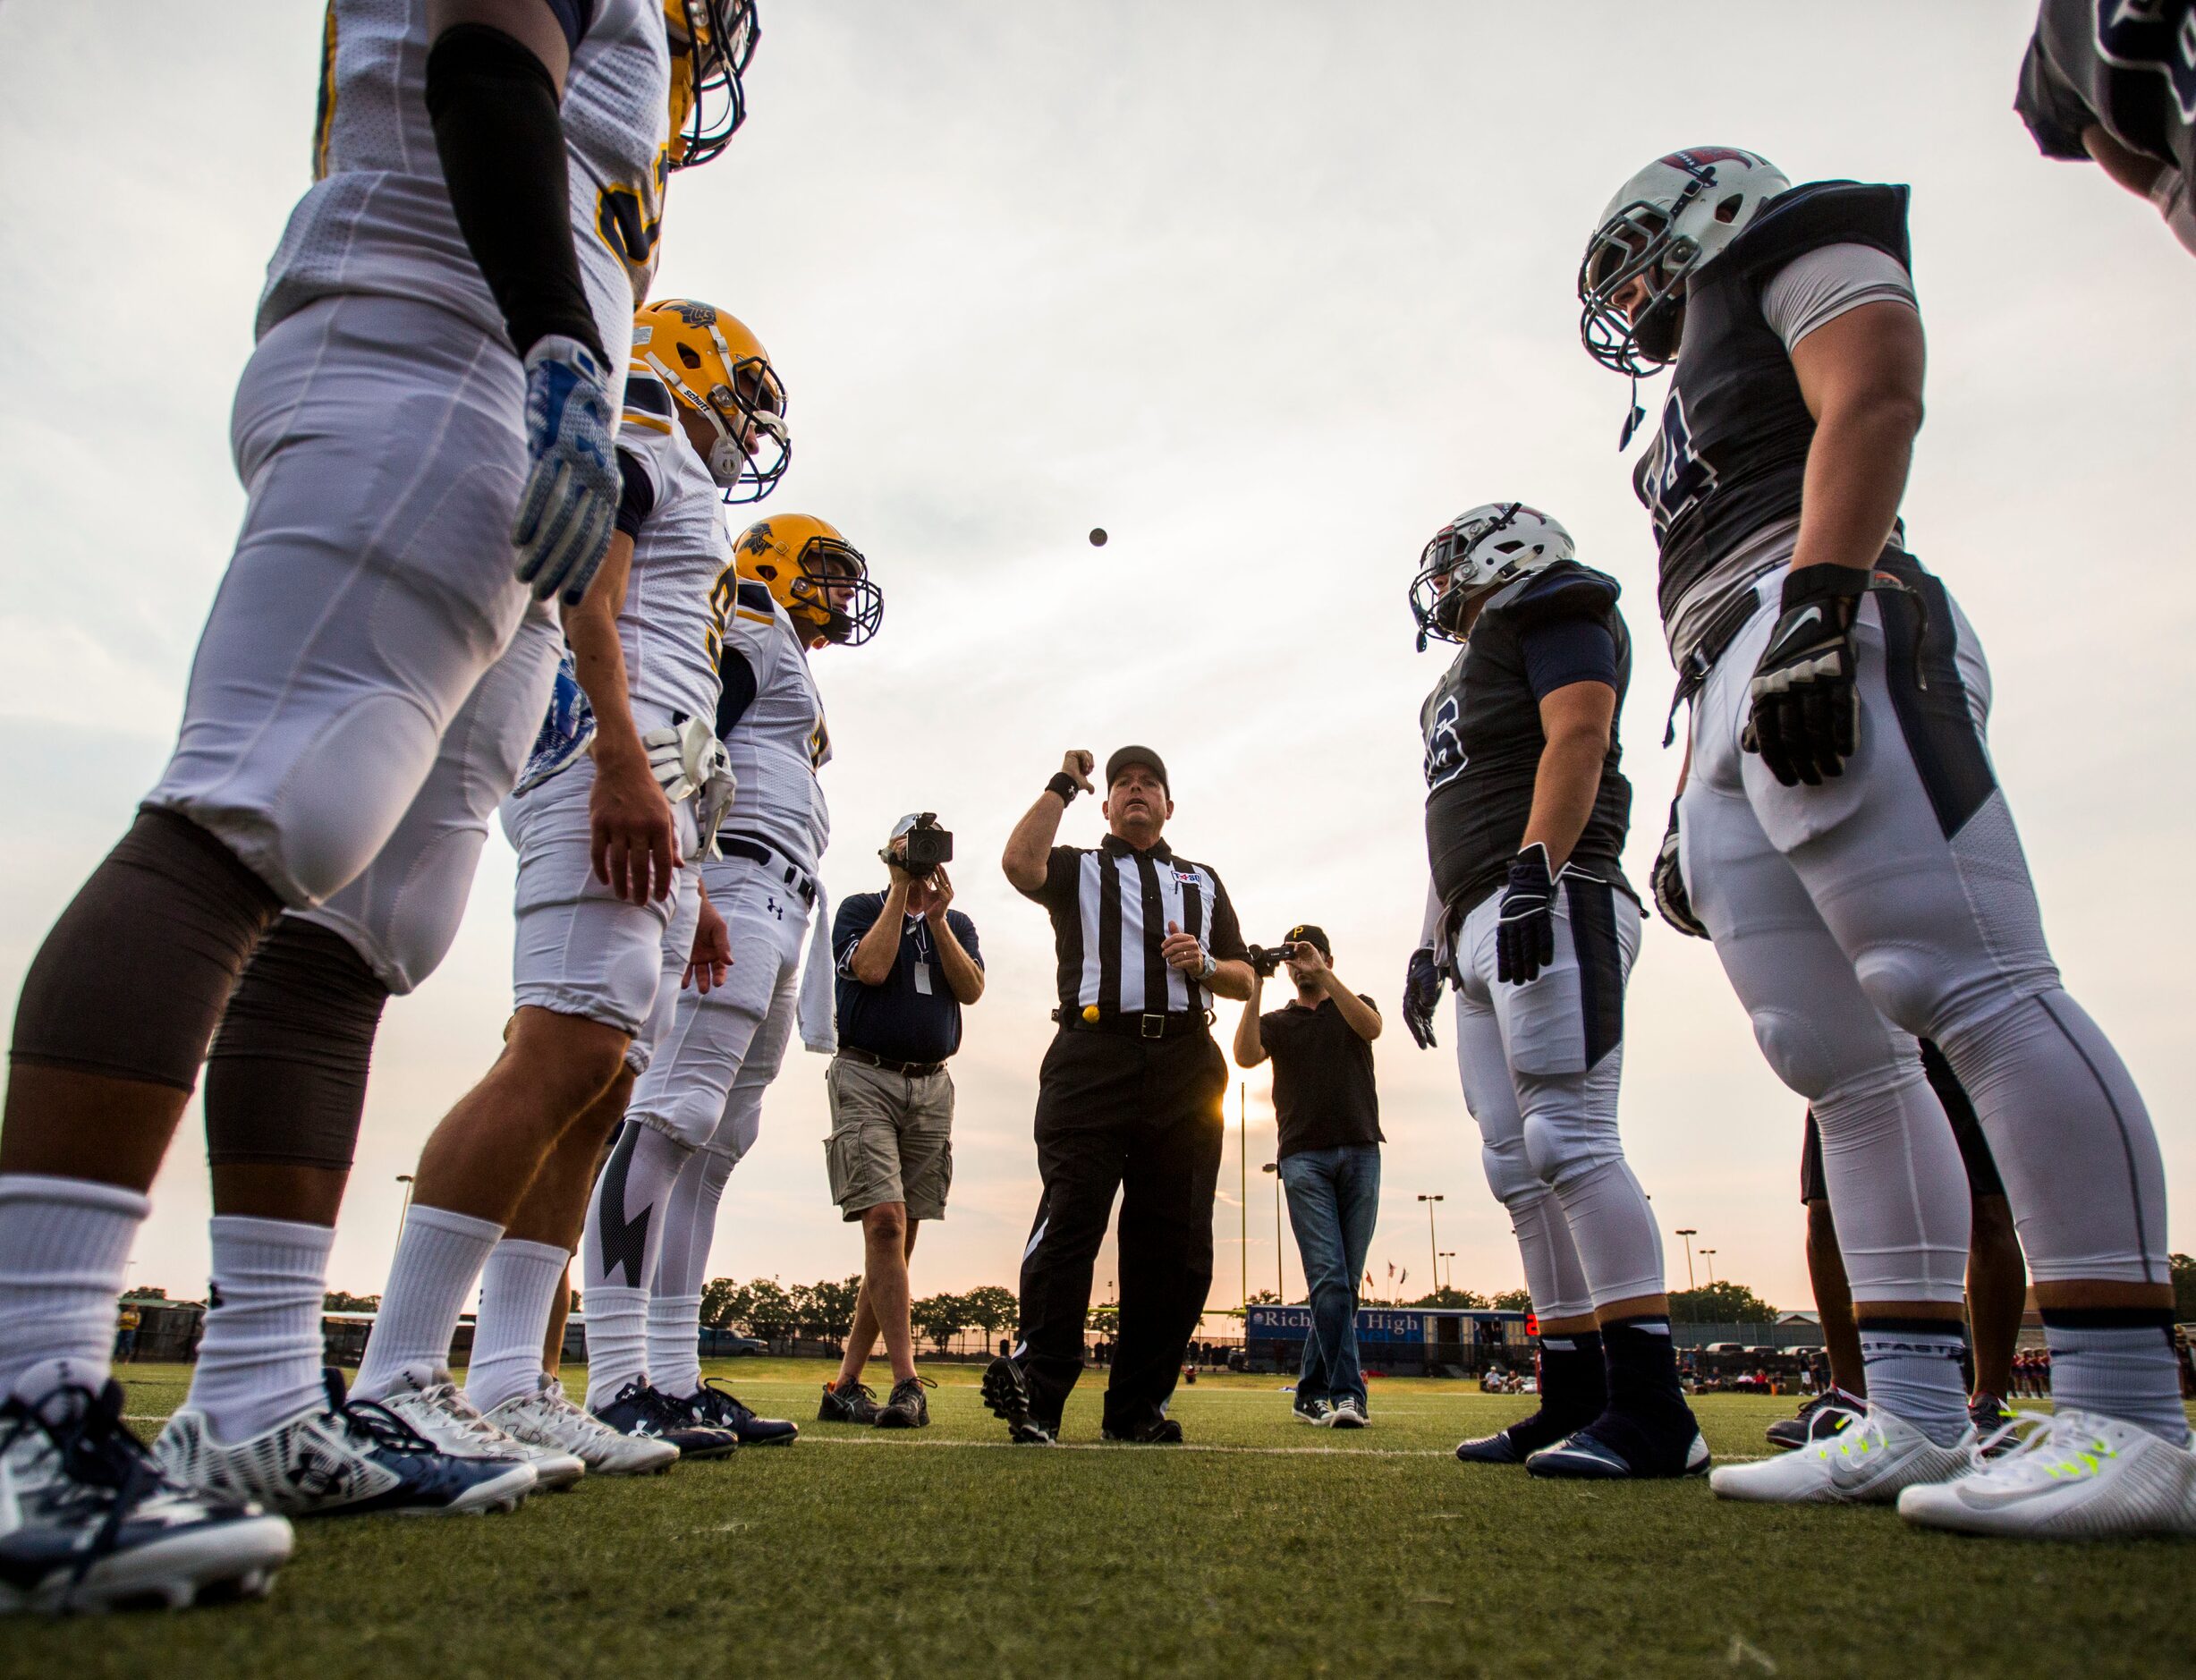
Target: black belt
{"type": "Point", "coordinates": [1127, 1026]}
{"type": "Point", "coordinates": [1721, 633]}
{"type": "Point", "coordinates": [912, 1070]}
{"type": "Point", "coordinates": [758, 850]}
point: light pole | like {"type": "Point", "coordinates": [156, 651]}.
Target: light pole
{"type": "Point", "coordinates": [1433, 1242]}
{"type": "Point", "coordinates": [1242, 1194]}
{"type": "Point", "coordinates": [1688, 1232]}
{"type": "Point", "coordinates": [404, 1179]}
{"type": "Point", "coordinates": [1447, 1280]}
{"type": "Point", "coordinates": [1708, 1254]}
{"type": "Point", "coordinates": [1281, 1289]}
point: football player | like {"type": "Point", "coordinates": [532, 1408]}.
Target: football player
{"type": "Point", "coordinates": [605, 904]}
{"type": "Point", "coordinates": [287, 1072]}
{"type": "Point", "coordinates": [2117, 83]}
{"type": "Point", "coordinates": [424, 429]}
{"type": "Point", "coordinates": [695, 1112]}
{"type": "Point", "coordinates": [1842, 837]}
{"type": "Point", "coordinates": [1529, 915]}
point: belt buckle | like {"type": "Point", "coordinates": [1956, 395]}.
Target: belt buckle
{"type": "Point", "coordinates": [1153, 1026]}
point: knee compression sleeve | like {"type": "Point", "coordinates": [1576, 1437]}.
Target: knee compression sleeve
{"type": "Point", "coordinates": [626, 1215]}
{"type": "Point", "coordinates": [1613, 1229]}
{"type": "Point", "coordinates": [188, 914]}
{"type": "Point", "coordinates": [1897, 1189]}
{"type": "Point", "coordinates": [1554, 1277]}
{"type": "Point", "coordinates": [285, 1081]}
{"type": "Point", "coordinates": [690, 1225]}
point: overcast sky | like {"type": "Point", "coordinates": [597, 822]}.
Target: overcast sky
{"type": "Point", "coordinates": [1269, 290]}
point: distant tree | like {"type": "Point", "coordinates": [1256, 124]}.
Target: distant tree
{"type": "Point", "coordinates": [2183, 1287]}
{"type": "Point", "coordinates": [1447, 1297]}
{"type": "Point", "coordinates": [1104, 1319]}
{"type": "Point", "coordinates": [145, 1291]}
{"type": "Point", "coordinates": [763, 1307]}
{"type": "Point", "coordinates": [827, 1309]}
{"type": "Point", "coordinates": [1512, 1301]}
{"type": "Point", "coordinates": [342, 1301]}
{"type": "Point", "coordinates": [941, 1318]}
{"type": "Point", "coordinates": [993, 1309]}
{"type": "Point", "coordinates": [1720, 1303]}
{"type": "Point", "coordinates": [1265, 1298]}
{"type": "Point", "coordinates": [717, 1302]}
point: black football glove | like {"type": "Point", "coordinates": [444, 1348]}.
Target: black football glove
{"type": "Point", "coordinates": [1421, 995]}
{"type": "Point", "coordinates": [1671, 898]}
{"type": "Point", "coordinates": [1525, 936]}
{"type": "Point", "coordinates": [1805, 713]}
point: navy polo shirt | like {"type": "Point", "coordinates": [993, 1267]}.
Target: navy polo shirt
{"type": "Point", "coordinates": [898, 1019]}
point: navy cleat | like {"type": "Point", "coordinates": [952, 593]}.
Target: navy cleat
{"type": "Point", "coordinates": [1007, 1392]}
{"type": "Point", "coordinates": [653, 1415]}
{"type": "Point", "coordinates": [1591, 1454]}
{"type": "Point", "coordinates": [1160, 1431]}
{"type": "Point", "coordinates": [349, 1457]}
{"type": "Point", "coordinates": [1817, 1420]}
{"type": "Point", "coordinates": [89, 1523]}
{"type": "Point", "coordinates": [1498, 1448]}
{"type": "Point", "coordinates": [719, 1407]}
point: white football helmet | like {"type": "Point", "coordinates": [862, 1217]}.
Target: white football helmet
{"type": "Point", "coordinates": [1662, 223]}
{"type": "Point", "coordinates": [1477, 552]}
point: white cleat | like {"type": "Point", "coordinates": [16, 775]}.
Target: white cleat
{"type": "Point", "coordinates": [548, 1419]}
{"type": "Point", "coordinates": [1868, 1461]}
{"type": "Point", "coordinates": [428, 1400]}
{"type": "Point", "coordinates": [2076, 1475]}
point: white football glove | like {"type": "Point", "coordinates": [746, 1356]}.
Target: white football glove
{"type": "Point", "coordinates": [572, 485]}
{"type": "Point", "coordinates": [682, 756]}
{"type": "Point", "coordinates": [716, 796]}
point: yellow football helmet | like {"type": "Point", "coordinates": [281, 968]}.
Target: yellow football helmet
{"type": "Point", "coordinates": [712, 42]}
{"type": "Point", "coordinates": [718, 370]}
{"type": "Point", "coordinates": [818, 576]}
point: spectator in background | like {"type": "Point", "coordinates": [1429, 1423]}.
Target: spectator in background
{"type": "Point", "coordinates": [1328, 1155]}
{"type": "Point", "coordinates": [126, 1321]}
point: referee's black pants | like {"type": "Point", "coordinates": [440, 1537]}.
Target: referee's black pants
{"type": "Point", "coordinates": [1143, 1116]}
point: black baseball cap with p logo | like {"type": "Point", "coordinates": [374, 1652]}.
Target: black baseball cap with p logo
{"type": "Point", "coordinates": [1311, 934]}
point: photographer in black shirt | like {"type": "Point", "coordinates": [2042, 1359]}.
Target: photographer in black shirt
{"type": "Point", "coordinates": [1328, 1155]}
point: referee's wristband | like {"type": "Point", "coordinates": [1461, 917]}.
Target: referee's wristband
{"type": "Point", "coordinates": [1064, 785]}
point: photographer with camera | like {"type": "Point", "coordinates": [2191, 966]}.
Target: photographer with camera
{"type": "Point", "coordinates": [907, 963]}
{"type": "Point", "coordinates": [1328, 1153]}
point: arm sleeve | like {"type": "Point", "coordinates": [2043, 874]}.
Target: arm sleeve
{"type": "Point", "coordinates": [1224, 938]}
{"type": "Point", "coordinates": [857, 915]}
{"type": "Point", "coordinates": [1815, 288]}
{"type": "Point", "coordinates": [1569, 650]}
{"type": "Point", "coordinates": [501, 140]}
{"type": "Point", "coordinates": [964, 930]}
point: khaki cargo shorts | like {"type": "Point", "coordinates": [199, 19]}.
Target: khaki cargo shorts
{"type": "Point", "coordinates": [891, 1138]}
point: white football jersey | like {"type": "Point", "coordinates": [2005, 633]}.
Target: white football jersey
{"type": "Point", "coordinates": [672, 624]}
{"type": "Point", "coordinates": [780, 742]}
{"type": "Point", "coordinates": [378, 216]}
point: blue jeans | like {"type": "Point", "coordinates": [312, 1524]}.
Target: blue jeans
{"type": "Point", "coordinates": [1334, 1200]}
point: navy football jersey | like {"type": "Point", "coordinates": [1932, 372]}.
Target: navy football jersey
{"type": "Point", "coordinates": [2126, 66]}
{"type": "Point", "coordinates": [1731, 453]}
{"type": "Point", "coordinates": [1481, 728]}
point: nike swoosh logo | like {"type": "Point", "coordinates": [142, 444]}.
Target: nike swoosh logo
{"type": "Point", "coordinates": [1812, 614]}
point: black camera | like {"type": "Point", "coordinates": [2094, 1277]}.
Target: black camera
{"type": "Point", "coordinates": [1263, 961]}
{"type": "Point", "coordinates": [928, 846]}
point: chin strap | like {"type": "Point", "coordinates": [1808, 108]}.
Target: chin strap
{"type": "Point", "coordinates": [1633, 419]}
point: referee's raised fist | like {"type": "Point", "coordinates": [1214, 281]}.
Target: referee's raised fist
{"type": "Point", "coordinates": [1079, 764]}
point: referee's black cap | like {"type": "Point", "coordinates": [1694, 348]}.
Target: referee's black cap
{"type": "Point", "coordinates": [1311, 934]}
{"type": "Point", "coordinates": [1125, 756]}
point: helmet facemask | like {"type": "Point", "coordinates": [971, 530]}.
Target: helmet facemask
{"type": "Point", "coordinates": [1473, 556]}
{"type": "Point", "coordinates": [708, 101]}
{"type": "Point", "coordinates": [826, 564]}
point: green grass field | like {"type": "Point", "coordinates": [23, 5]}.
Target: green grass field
{"type": "Point", "coordinates": [1265, 1548]}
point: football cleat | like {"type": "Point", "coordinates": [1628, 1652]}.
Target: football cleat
{"type": "Point", "coordinates": [652, 1414]}
{"type": "Point", "coordinates": [848, 1403]}
{"type": "Point", "coordinates": [1007, 1392]}
{"type": "Point", "coordinates": [432, 1405]}
{"type": "Point", "coordinates": [906, 1409]}
{"type": "Point", "coordinates": [1498, 1448]}
{"type": "Point", "coordinates": [1868, 1461]}
{"type": "Point", "coordinates": [349, 1457]}
{"type": "Point", "coordinates": [2076, 1475]}
{"type": "Point", "coordinates": [547, 1418]}
{"type": "Point", "coordinates": [719, 1407]}
{"type": "Point", "coordinates": [1993, 1420]}
{"type": "Point", "coordinates": [89, 1523]}
{"type": "Point", "coordinates": [1314, 1412]}
{"type": "Point", "coordinates": [1819, 1418]}
{"type": "Point", "coordinates": [1584, 1455]}
{"type": "Point", "coordinates": [1346, 1413]}
{"type": "Point", "coordinates": [1160, 1431]}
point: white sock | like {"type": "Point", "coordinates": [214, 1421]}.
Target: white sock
{"type": "Point", "coordinates": [259, 1361]}
{"type": "Point", "coordinates": [64, 1250]}
{"type": "Point", "coordinates": [518, 1291]}
{"type": "Point", "coordinates": [438, 1255]}
{"type": "Point", "coordinates": [675, 1341]}
{"type": "Point", "coordinates": [617, 1340]}
{"type": "Point", "coordinates": [2125, 1371]}
{"type": "Point", "coordinates": [1913, 1373]}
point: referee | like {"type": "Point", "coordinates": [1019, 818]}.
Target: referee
{"type": "Point", "coordinates": [1128, 1099]}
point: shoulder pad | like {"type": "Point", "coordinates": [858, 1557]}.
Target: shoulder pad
{"type": "Point", "coordinates": [1821, 213]}
{"type": "Point", "coordinates": [1565, 589]}
{"type": "Point", "coordinates": [755, 597]}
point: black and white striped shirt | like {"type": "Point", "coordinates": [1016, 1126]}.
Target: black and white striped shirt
{"type": "Point", "coordinates": [1110, 906]}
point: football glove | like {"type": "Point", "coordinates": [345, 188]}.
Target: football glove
{"type": "Point", "coordinates": [1421, 995]}
{"type": "Point", "coordinates": [683, 755]}
{"type": "Point", "coordinates": [1805, 713]}
{"type": "Point", "coordinates": [573, 484]}
{"type": "Point", "coordinates": [717, 793]}
{"type": "Point", "coordinates": [1671, 898]}
{"type": "Point", "coordinates": [1526, 932]}
{"type": "Point", "coordinates": [567, 730]}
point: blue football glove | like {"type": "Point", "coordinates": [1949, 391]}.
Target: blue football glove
{"type": "Point", "coordinates": [1421, 995]}
{"type": "Point", "coordinates": [1525, 933]}
{"type": "Point", "coordinates": [573, 485]}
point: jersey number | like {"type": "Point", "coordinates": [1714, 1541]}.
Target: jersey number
{"type": "Point", "coordinates": [1444, 748]}
{"type": "Point", "coordinates": [2143, 35]}
{"type": "Point", "coordinates": [1674, 477]}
